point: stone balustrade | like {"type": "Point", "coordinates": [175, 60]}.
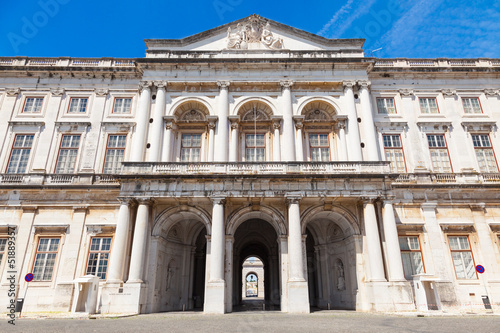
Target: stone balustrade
{"type": "Point", "coordinates": [439, 63]}
{"type": "Point", "coordinates": [447, 178]}
{"type": "Point", "coordinates": [57, 179]}
{"type": "Point", "coordinates": [66, 62]}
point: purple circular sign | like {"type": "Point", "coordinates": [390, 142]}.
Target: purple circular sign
{"type": "Point", "coordinates": [480, 269]}
{"type": "Point", "coordinates": [28, 277]}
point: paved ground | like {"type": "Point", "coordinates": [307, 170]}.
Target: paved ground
{"type": "Point", "coordinates": [324, 321]}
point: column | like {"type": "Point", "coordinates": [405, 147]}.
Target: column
{"type": "Point", "coordinates": [157, 130]}
{"type": "Point", "coordinates": [222, 136]}
{"type": "Point", "coordinates": [288, 127]}
{"type": "Point", "coordinates": [118, 252]}
{"type": "Point", "coordinates": [215, 287]}
{"type": "Point", "coordinates": [354, 144]}
{"type": "Point", "coordinates": [166, 155]}
{"type": "Point", "coordinates": [211, 136]}
{"type": "Point", "coordinates": [371, 140]}
{"type": "Point", "coordinates": [394, 261]}
{"type": "Point", "coordinates": [283, 272]}
{"type": "Point", "coordinates": [141, 231]}
{"type": "Point", "coordinates": [373, 242]}
{"type": "Point", "coordinates": [142, 116]}
{"type": "Point", "coordinates": [299, 148]}
{"type": "Point", "coordinates": [341, 125]}
{"type": "Point", "coordinates": [298, 291]}
{"type": "Point", "coordinates": [233, 149]}
{"type": "Point", "coordinates": [229, 274]}
{"type": "Point", "coordinates": [276, 138]}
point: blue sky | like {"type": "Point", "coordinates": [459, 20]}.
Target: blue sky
{"type": "Point", "coordinates": [395, 28]}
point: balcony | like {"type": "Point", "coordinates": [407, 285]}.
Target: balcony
{"type": "Point", "coordinates": [255, 168]}
{"type": "Point", "coordinates": [57, 180]}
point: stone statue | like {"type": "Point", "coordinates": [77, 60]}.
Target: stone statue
{"type": "Point", "coordinates": [340, 275]}
{"type": "Point", "coordinates": [268, 39]}
{"type": "Point", "coordinates": [170, 273]}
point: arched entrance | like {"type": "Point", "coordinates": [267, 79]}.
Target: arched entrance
{"type": "Point", "coordinates": [331, 261]}
{"type": "Point", "coordinates": [256, 238]}
{"type": "Point", "coordinates": [178, 268]}
{"type": "Point", "coordinates": [253, 279]}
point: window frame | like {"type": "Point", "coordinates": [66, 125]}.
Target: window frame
{"type": "Point", "coordinates": [385, 105]}
{"type": "Point", "coordinates": [89, 252]}
{"type": "Point", "coordinates": [182, 134]}
{"type": "Point", "coordinates": [78, 112]}
{"type": "Point", "coordinates": [428, 113]}
{"type": "Point", "coordinates": [256, 147]}
{"type": "Point", "coordinates": [115, 98]}
{"type": "Point", "coordinates": [470, 98]}
{"type": "Point", "coordinates": [12, 150]}
{"type": "Point", "coordinates": [309, 133]}
{"type": "Point", "coordinates": [106, 148]}
{"type": "Point", "coordinates": [445, 147]}
{"type": "Point", "coordinates": [68, 148]}
{"type": "Point", "coordinates": [23, 109]}
{"type": "Point", "coordinates": [471, 252]}
{"type": "Point", "coordinates": [395, 148]}
{"type": "Point", "coordinates": [410, 251]}
{"type": "Point", "coordinates": [483, 148]}
{"type": "Point", "coordinates": [54, 268]}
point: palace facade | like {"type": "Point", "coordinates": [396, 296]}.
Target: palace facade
{"type": "Point", "coordinates": [360, 183]}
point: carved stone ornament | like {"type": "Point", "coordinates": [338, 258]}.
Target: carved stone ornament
{"type": "Point", "coordinates": [13, 91]}
{"type": "Point", "coordinates": [160, 84]}
{"type": "Point", "coordinates": [145, 85]}
{"type": "Point", "coordinates": [193, 116]}
{"type": "Point", "coordinates": [101, 92]}
{"type": "Point", "coordinates": [255, 115]}
{"type": "Point", "coordinates": [57, 91]}
{"type": "Point", "coordinates": [223, 84]}
{"type": "Point", "coordinates": [316, 115]}
{"type": "Point", "coordinates": [253, 34]}
{"type": "Point", "coordinates": [348, 84]}
{"type": "Point", "coordinates": [406, 92]}
{"type": "Point", "coordinates": [287, 84]}
{"type": "Point", "coordinates": [448, 92]}
{"type": "Point", "coordinates": [491, 92]}
{"type": "Point", "coordinates": [364, 84]}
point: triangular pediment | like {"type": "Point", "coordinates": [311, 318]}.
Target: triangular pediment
{"type": "Point", "coordinates": [253, 33]}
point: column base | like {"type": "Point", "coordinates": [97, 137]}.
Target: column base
{"type": "Point", "coordinates": [215, 297]}
{"type": "Point", "coordinates": [127, 299]}
{"type": "Point", "coordinates": [298, 297]}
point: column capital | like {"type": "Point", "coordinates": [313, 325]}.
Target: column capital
{"type": "Point", "coordinates": [286, 84]}
{"type": "Point", "coordinates": [364, 84]}
{"type": "Point", "coordinates": [129, 201]}
{"type": "Point", "coordinates": [341, 123]}
{"type": "Point", "coordinates": [348, 84]}
{"type": "Point", "coordinates": [369, 199]}
{"type": "Point", "coordinates": [478, 207]}
{"type": "Point", "coordinates": [146, 201]}
{"type": "Point", "coordinates": [429, 206]}
{"type": "Point", "coordinates": [293, 198]}
{"type": "Point", "coordinates": [218, 200]}
{"type": "Point", "coordinates": [143, 85]}
{"type": "Point", "coordinates": [13, 91]}
{"type": "Point", "coordinates": [101, 92]}
{"type": "Point", "coordinates": [57, 91]}
{"type": "Point", "coordinates": [299, 121]}
{"type": "Point", "coordinates": [211, 121]}
{"type": "Point", "coordinates": [234, 121]}
{"type": "Point", "coordinates": [223, 84]}
{"type": "Point", "coordinates": [160, 84]}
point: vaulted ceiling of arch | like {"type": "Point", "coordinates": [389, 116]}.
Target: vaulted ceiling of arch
{"type": "Point", "coordinates": [318, 111]}
{"type": "Point", "coordinates": [191, 111]}
{"type": "Point", "coordinates": [250, 109]}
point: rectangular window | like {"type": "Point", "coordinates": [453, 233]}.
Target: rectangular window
{"type": "Point", "coordinates": [462, 257]}
{"type": "Point", "coordinates": [45, 259]}
{"type": "Point", "coordinates": [386, 106]}
{"type": "Point", "coordinates": [428, 105]}
{"type": "Point", "coordinates": [33, 105]}
{"type": "Point", "coordinates": [255, 148]}
{"type": "Point", "coordinates": [99, 256]}
{"type": "Point", "coordinates": [67, 154]}
{"type": "Point", "coordinates": [115, 151]}
{"type": "Point", "coordinates": [411, 255]}
{"type": "Point", "coordinates": [20, 153]}
{"type": "Point", "coordinates": [3, 245]}
{"type": "Point", "coordinates": [394, 153]}
{"type": "Point", "coordinates": [320, 148]}
{"type": "Point", "coordinates": [471, 105]}
{"type": "Point", "coordinates": [191, 148]}
{"type": "Point", "coordinates": [439, 153]}
{"type": "Point", "coordinates": [78, 105]}
{"type": "Point", "coordinates": [484, 153]}
{"type": "Point", "coordinates": [122, 105]}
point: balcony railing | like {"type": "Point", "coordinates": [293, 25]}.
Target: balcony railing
{"type": "Point", "coordinates": [448, 178]}
{"type": "Point", "coordinates": [254, 168]}
{"type": "Point", "coordinates": [57, 179]}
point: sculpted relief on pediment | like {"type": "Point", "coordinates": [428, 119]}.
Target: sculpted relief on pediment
{"type": "Point", "coordinates": [253, 34]}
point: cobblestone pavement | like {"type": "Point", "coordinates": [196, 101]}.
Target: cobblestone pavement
{"type": "Point", "coordinates": [261, 322]}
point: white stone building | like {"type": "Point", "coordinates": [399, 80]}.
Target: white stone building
{"type": "Point", "coordinates": [361, 183]}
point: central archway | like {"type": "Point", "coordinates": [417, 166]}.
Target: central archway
{"type": "Point", "coordinates": [256, 238]}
